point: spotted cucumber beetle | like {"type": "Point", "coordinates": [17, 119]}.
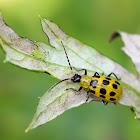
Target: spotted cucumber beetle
{"type": "Point", "coordinates": [106, 88]}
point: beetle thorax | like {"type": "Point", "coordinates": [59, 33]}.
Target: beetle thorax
{"type": "Point", "coordinates": [85, 81]}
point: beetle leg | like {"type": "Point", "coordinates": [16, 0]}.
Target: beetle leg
{"type": "Point", "coordinates": [104, 102]}
{"type": "Point", "coordinates": [95, 74]}
{"type": "Point", "coordinates": [75, 89]}
{"type": "Point", "coordinates": [81, 70]}
{"type": "Point", "coordinates": [114, 75]}
{"type": "Point", "coordinates": [87, 97]}
{"type": "Point", "coordinates": [114, 103]}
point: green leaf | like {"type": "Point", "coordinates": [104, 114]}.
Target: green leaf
{"type": "Point", "coordinates": [56, 101]}
{"type": "Point", "coordinates": [51, 58]}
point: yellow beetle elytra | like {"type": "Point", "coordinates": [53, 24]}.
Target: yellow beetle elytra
{"type": "Point", "coordinates": [106, 88]}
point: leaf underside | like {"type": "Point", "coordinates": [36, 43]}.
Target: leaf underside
{"type": "Point", "coordinates": [37, 56]}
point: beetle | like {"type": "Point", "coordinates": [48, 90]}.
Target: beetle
{"type": "Point", "coordinates": [104, 87]}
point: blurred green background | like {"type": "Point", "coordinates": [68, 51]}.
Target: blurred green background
{"type": "Point", "coordinates": [90, 21]}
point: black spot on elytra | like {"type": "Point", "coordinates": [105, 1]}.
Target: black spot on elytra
{"type": "Point", "coordinates": [112, 99]}
{"type": "Point", "coordinates": [92, 91]}
{"type": "Point", "coordinates": [108, 78]}
{"type": "Point", "coordinates": [102, 96]}
{"type": "Point", "coordinates": [105, 82]}
{"type": "Point", "coordinates": [117, 82]}
{"type": "Point", "coordinates": [103, 91]}
{"type": "Point", "coordinates": [114, 86]}
{"type": "Point", "coordinates": [97, 76]}
{"type": "Point", "coordinates": [93, 83]}
{"type": "Point", "coordinates": [112, 93]}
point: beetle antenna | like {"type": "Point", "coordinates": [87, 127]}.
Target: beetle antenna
{"type": "Point", "coordinates": [67, 56]}
{"type": "Point", "coordinates": [58, 83]}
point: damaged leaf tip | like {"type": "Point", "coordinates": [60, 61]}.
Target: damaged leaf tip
{"type": "Point", "coordinates": [114, 36]}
